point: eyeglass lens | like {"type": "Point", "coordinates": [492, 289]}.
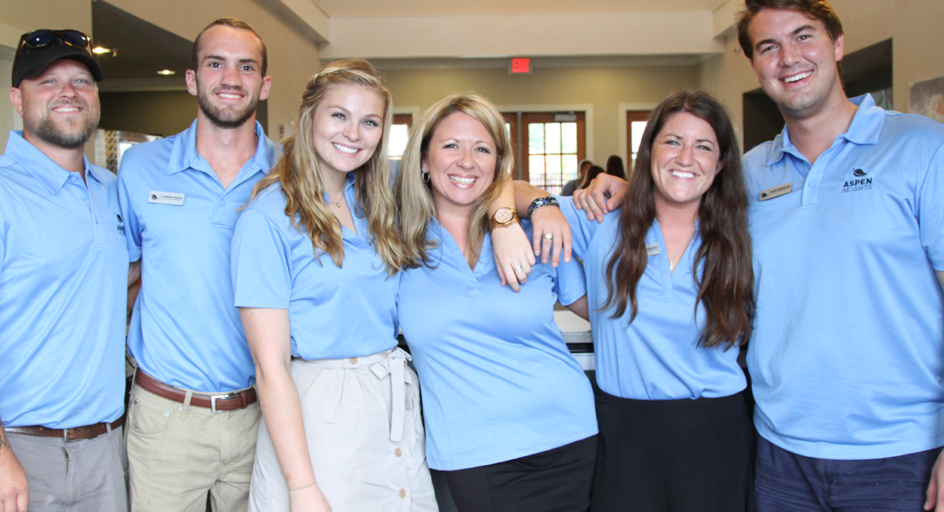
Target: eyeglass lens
{"type": "Point", "coordinates": [43, 37]}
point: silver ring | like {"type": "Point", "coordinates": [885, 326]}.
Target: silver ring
{"type": "Point", "coordinates": [548, 236]}
{"type": "Point", "coordinates": [520, 268]}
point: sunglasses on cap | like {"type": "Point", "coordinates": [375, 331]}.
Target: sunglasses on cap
{"type": "Point", "coordinates": [45, 37]}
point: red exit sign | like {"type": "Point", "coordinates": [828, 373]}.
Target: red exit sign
{"type": "Point", "coordinates": [521, 66]}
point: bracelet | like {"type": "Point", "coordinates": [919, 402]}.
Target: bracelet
{"type": "Point", "coordinates": [542, 201]}
{"type": "Point", "coordinates": [305, 487]}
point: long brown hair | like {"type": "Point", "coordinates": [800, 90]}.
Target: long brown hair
{"type": "Point", "coordinates": [415, 197]}
{"type": "Point", "coordinates": [298, 173]}
{"type": "Point", "coordinates": [726, 285]}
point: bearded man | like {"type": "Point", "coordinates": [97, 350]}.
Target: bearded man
{"type": "Point", "coordinates": [63, 285]}
{"type": "Point", "coordinates": [193, 414]}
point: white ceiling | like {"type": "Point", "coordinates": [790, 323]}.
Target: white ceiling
{"type": "Point", "coordinates": [427, 7]}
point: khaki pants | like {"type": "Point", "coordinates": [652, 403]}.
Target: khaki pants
{"type": "Point", "coordinates": [78, 476]}
{"type": "Point", "coordinates": [365, 438]}
{"type": "Point", "coordinates": [177, 453]}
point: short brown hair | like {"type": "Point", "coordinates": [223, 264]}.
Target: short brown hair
{"type": "Point", "coordinates": [232, 23]}
{"type": "Point", "coordinates": [813, 9]}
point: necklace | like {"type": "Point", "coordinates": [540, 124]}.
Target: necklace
{"type": "Point", "coordinates": [672, 263]}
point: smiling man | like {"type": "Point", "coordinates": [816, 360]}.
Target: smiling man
{"type": "Point", "coordinates": [194, 416]}
{"type": "Point", "coordinates": [847, 222]}
{"type": "Point", "coordinates": [63, 284]}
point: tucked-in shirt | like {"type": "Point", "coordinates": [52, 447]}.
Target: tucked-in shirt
{"type": "Point", "coordinates": [179, 219]}
{"type": "Point", "coordinates": [657, 356]}
{"type": "Point", "coordinates": [63, 290]}
{"type": "Point", "coordinates": [497, 379]}
{"type": "Point", "coordinates": [335, 312]}
{"type": "Point", "coordinates": [845, 359]}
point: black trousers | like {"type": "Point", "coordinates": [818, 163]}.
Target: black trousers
{"type": "Point", "coordinates": [673, 455]}
{"type": "Point", "coordinates": [557, 480]}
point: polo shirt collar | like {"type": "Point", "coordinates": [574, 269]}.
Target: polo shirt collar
{"type": "Point", "coordinates": [50, 174]}
{"type": "Point", "coordinates": [866, 128]}
{"type": "Point", "coordinates": [183, 154]}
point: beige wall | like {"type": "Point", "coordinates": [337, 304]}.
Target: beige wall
{"type": "Point", "coordinates": [21, 17]}
{"type": "Point", "coordinates": [293, 57]}
{"type": "Point", "coordinates": [602, 89]}
{"type": "Point", "coordinates": [913, 25]}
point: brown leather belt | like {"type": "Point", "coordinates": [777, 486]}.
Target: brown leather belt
{"type": "Point", "coordinates": [216, 403]}
{"type": "Point", "coordinates": [68, 434]}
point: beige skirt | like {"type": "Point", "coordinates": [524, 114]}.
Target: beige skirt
{"type": "Point", "coordinates": [364, 433]}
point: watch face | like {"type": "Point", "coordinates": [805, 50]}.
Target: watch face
{"type": "Point", "coordinates": [503, 215]}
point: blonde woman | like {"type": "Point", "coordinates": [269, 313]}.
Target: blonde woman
{"type": "Point", "coordinates": [509, 412]}
{"type": "Point", "coordinates": [315, 269]}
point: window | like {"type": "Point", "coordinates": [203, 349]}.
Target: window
{"type": "Point", "coordinates": [399, 135]}
{"type": "Point", "coordinates": [635, 125]}
{"type": "Point", "coordinates": [553, 144]}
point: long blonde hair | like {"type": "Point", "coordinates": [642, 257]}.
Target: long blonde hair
{"type": "Point", "coordinates": [298, 173]}
{"type": "Point", "coordinates": [414, 196]}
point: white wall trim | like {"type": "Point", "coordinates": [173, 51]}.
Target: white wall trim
{"type": "Point", "coordinates": [622, 109]}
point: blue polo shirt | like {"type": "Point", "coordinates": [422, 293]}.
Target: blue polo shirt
{"type": "Point", "coordinates": [846, 355]}
{"type": "Point", "coordinates": [63, 290]}
{"type": "Point", "coordinates": [335, 312]}
{"type": "Point", "coordinates": [497, 380]}
{"type": "Point", "coordinates": [179, 221]}
{"type": "Point", "coordinates": [657, 356]}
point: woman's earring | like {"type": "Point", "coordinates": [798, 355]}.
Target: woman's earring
{"type": "Point", "coordinates": [425, 176]}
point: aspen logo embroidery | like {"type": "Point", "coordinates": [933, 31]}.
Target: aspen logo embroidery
{"type": "Point", "coordinates": [860, 182]}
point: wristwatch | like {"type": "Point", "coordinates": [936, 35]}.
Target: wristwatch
{"type": "Point", "coordinates": [542, 201]}
{"type": "Point", "coordinates": [503, 217]}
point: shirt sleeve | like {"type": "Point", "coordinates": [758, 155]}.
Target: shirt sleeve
{"type": "Point", "coordinates": [930, 209]}
{"type": "Point", "coordinates": [261, 263]}
{"type": "Point", "coordinates": [128, 216]}
{"type": "Point", "coordinates": [581, 229]}
{"type": "Point", "coordinates": [570, 284]}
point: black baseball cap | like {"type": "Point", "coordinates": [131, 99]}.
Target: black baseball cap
{"type": "Point", "coordinates": [40, 48]}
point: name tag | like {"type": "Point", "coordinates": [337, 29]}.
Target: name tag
{"type": "Point", "coordinates": [171, 198]}
{"type": "Point", "coordinates": [777, 191]}
{"type": "Point", "coordinates": [653, 249]}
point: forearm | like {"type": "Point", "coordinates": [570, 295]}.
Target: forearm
{"type": "Point", "coordinates": [134, 286]}
{"type": "Point", "coordinates": [525, 194]}
{"type": "Point", "coordinates": [282, 411]}
{"type": "Point", "coordinates": [506, 199]}
{"type": "Point", "coordinates": [14, 489]}
{"type": "Point", "coordinates": [267, 331]}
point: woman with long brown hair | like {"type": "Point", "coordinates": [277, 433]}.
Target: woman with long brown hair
{"type": "Point", "coordinates": [670, 290]}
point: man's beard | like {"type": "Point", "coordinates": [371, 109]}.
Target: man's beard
{"type": "Point", "coordinates": [224, 118]}
{"type": "Point", "coordinates": [48, 131]}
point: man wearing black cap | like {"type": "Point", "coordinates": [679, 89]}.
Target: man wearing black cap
{"type": "Point", "coordinates": [63, 285]}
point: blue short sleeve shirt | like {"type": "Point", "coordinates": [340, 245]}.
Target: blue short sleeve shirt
{"type": "Point", "coordinates": [497, 379]}
{"type": "Point", "coordinates": [63, 290]}
{"type": "Point", "coordinates": [335, 312]}
{"type": "Point", "coordinates": [657, 356]}
{"type": "Point", "coordinates": [179, 219]}
{"type": "Point", "coordinates": [846, 353]}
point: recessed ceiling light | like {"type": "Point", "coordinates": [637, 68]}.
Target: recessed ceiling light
{"type": "Point", "coordinates": [99, 50]}
{"type": "Point", "coordinates": [166, 72]}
